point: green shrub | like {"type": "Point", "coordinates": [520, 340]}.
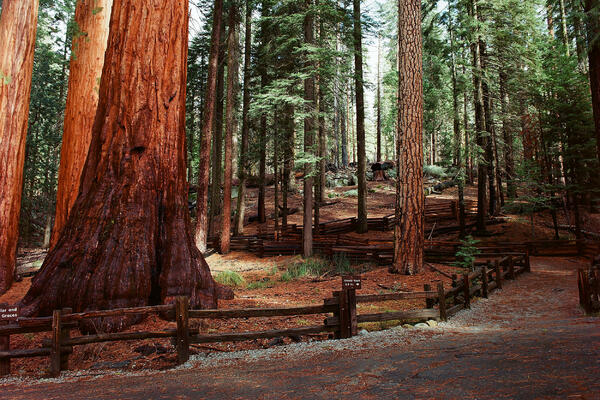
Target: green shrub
{"type": "Point", "coordinates": [351, 193]}
{"type": "Point", "coordinates": [434, 170]}
{"type": "Point", "coordinates": [230, 278]}
{"type": "Point", "coordinates": [466, 252]}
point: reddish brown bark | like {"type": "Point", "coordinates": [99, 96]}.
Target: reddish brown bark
{"type": "Point", "coordinates": [18, 25]}
{"type": "Point", "coordinates": [207, 125]}
{"type": "Point", "coordinates": [410, 198]}
{"type": "Point", "coordinates": [232, 83]}
{"type": "Point", "coordinates": [128, 241]}
{"type": "Point", "coordinates": [82, 99]}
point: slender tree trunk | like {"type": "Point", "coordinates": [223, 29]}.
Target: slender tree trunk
{"type": "Point", "coordinates": [344, 134]}
{"type": "Point", "coordinates": [563, 22]}
{"type": "Point", "coordinates": [410, 199]}
{"type": "Point", "coordinates": [276, 180]}
{"type": "Point", "coordinates": [309, 125]}
{"type": "Point", "coordinates": [468, 162]}
{"type": "Point", "coordinates": [362, 225]}
{"type": "Point", "coordinates": [217, 148]}
{"type": "Point", "coordinates": [207, 126]}
{"type": "Point", "coordinates": [128, 241]}
{"type": "Point", "coordinates": [231, 128]}
{"type": "Point", "coordinates": [480, 124]}
{"type": "Point", "coordinates": [85, 69]}
{"type": "Point", "coordinates": [457, 138]}
{"type": "Point", "coordinates": [509, 162]}
{"type": "Point", "coordinates": [18, 26]}
{"type": "Point", "coordinates": [378, 101]}
{"type": "Point", "coordinates": [288, 161]}
{"type": "Point", "coordinates": [580, 41]}
{"type": "Point", "coordinates": [593, 28]}
{"type": "Point", "coordinates": [243, 168]}
{"type": "Point", "coordinates": [489, 128]}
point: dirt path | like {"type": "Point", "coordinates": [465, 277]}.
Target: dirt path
{"type": "Point", "coordinates": [528, 341]}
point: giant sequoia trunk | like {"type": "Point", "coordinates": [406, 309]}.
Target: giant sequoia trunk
{"type": "Point", "coordinates": [360, 122]}
{"type": "Point", "coordinates": [208, 119]}
{"type": "Point", "coordinates": [18, 24]}
{"type": "Point", "coordinates": [128, 240]}
{"type": "Point", "coordinates": [82, 99]}
{"type": "Point", "coordinates": [410, 198]}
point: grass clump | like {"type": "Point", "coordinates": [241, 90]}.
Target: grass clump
{"type": "Point", "coordinates": [230, 278]}
{"type": "Point", "coordinates": [308, 267]}
{"type": "Point", "coordinates": [341, 264]}
{"type": "Point", "coordinates": [260, 284]}
{"type": "Point", "coordinates": [351, 193]}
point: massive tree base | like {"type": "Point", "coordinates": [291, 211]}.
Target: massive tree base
{"type": "Point", "coordinates": [128, 241]}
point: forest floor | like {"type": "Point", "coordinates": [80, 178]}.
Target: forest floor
{"type": "Point", "coordinates": [264, 287]}
{"type": "Point", "coordinates": [526, 341]}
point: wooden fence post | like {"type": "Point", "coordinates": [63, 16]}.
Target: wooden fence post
{"type": "Point", "coordinates": [498, 274]}
{"type": "Point", "coordinates": [183, 329]}
{"type": "Point", "coordinates": [442, 301]}
{"type": "Point", "coordinates": [65, 335]}
{"type": "Point", "coordinates": [351, 297]}
{"type": "Point", "coordinates": [345, 330]}
{"type": "Point", "coordinates": [527, 262]}
{"type": "Point", "coordinates": [56, 344]}
{"type": "Point", "coordinates": [4, 346]}
{"type": "Point", "coordinates": [511, 267]}
{"type": "Point", "coordinates": [466, 291]}
{"type": "Point", "coordinates": [428, 302]}
{"type": "Point", "coordinates": [484, 281]}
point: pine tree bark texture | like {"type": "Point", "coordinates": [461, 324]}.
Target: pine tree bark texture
{"type": "Point", "coordinates": [18, 26]}
{"type": "Point", "coordinates": [128, 241]}
{"type": "Point", "coordinates": [85, 69]}
{"type": "Point", "coordinates": [231, 127]}
{"type": "Point", "coordinates": [201, 232]}
{"type": "Point", "coordinates": [410, 198]}
{"type": "Point", "coordinates": [360, 122]}
{"type": "Point", "coordinates": [593, 27]}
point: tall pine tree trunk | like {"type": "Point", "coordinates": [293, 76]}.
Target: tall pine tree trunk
{"type": "Point", "coordinates": [309, 126]}
{"type": "Point", "coordinates": [217, 147]}
{"type": "Point", "coordinates": [18, 26]}
{"type": "Point", "coordinates": [362, 225]}
{"type": "Point", "coordinates": [208, 121]}
{"type": "Point", "coordinates": [85, 70]}
{"type": "Point", "coordinates": [480, 123]}
{"type": "Point", "coordinates": [410, 198]}
{"type": "Point", "coordinates": [238, 227]}
{"type": "Point", "coordinates": [129, 241]}
{"type": "Point", "coordinates": [378, 100]}
{"type": "Point", "coordinates": [231, 128]}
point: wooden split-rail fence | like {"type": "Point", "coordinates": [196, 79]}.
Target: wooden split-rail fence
{"type": "Point", "coordinates": [342, 322]}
